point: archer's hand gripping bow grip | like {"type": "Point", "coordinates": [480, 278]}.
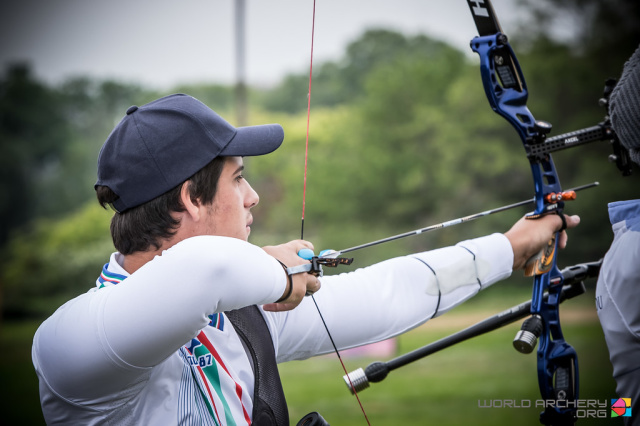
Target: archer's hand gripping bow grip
{"type": "Point", "coordinates": [506, 91]}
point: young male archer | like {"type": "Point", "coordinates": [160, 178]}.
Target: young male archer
{"type": "Point", "coordinates": [188, 320]}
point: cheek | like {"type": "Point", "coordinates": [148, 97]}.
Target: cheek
{"type": "Point", "coordinates": [224, 214]}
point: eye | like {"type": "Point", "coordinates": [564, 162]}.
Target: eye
{"type": "Point", "coordinates": [239, 178]}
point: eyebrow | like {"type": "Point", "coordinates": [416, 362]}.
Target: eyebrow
{"type": "Point", "coordinates": [238, 170]}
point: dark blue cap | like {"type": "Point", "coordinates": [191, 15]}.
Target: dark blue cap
{"type": "Point", "coordinates": [159, 145]}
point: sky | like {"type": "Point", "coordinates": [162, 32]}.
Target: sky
{"type": "Point", "coordinates": [163, 43]}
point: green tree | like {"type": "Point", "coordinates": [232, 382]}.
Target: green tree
{"type": "Point", "coordinates": [91, 108]}
{"type": "Point", "coordinates": [33, 132]}
{"type": "Point", "coordinates": [343, 82]}
{"type": "Point", "coordinates": [606, 31]}
{"type": "Point", "coordinates": [54, 261]}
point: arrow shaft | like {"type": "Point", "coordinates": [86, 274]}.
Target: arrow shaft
{"type": "Point", "coordinates": [451, 222]}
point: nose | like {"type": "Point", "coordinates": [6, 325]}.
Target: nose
{"type": "Point", "coordinates": [251, 198]}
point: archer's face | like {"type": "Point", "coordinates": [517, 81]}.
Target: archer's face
{"type": "Point", "coordinates": [229, 215]}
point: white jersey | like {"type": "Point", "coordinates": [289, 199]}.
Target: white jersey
{"type": "Point", "coordinates": [154, 347]}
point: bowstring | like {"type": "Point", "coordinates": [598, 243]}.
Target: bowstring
{"type": "Point", "coordinates": [304, 197]}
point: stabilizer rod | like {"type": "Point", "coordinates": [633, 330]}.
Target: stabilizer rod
{"type": "Point", "coordinates": [573, 286]}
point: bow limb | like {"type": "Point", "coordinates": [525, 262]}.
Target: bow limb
{"type": "Point", "coordinates": [506, 90]}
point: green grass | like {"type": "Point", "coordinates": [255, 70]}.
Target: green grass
{"type": "Point", "coordinates": [442, 389]}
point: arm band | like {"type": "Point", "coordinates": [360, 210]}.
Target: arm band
{"type": "Point", "coordinates": [286, 296]}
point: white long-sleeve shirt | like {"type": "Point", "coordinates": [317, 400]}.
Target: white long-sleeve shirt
{"type": "Point", "coordinates": [157, 349]}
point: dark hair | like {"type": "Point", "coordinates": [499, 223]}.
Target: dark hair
{"type": "Point", "coordinates": [147, 225]}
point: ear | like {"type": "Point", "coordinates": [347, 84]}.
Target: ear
{"type": "Point", "coordinates": [193, 208]}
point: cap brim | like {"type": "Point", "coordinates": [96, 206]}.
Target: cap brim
{"type": "Point", "coordinates": [254, 140]}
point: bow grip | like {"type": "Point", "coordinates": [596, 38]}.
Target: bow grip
{"type": "Point", "coordinates": [542, 262]}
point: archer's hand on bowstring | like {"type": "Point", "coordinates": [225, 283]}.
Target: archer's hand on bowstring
{"type": "Point", "coordinates": [303, 283]}
{"type": "Point", "coordinates": [529, 237]}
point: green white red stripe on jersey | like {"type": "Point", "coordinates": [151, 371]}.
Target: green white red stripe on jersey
{"type": "Point", "coordinates": [108, 278]}
{"type": "Point", "coordinates": [207, 366]}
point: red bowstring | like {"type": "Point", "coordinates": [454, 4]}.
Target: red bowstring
{"type": "Point", "coordinates": [304, 197]}
{"type": "Point", "coordinates": [306, 147]}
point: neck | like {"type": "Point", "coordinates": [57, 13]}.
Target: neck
{"type": "Point", "coordinates": [133, 262]}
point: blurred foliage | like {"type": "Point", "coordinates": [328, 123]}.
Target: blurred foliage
{"type": "Point", "coordinates": [55, 260]}
{"type": "Point", "coordinates": [344, 82]}
{"type": "Point", "coordinates": [33, 133]}
{"type": "Point", "coordinates": [401, 137]}
{"type": "Point", "coordinates": [604, 33]}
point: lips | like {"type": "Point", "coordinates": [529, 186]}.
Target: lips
{"type": "Point", "coordinates": [248, 227]}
